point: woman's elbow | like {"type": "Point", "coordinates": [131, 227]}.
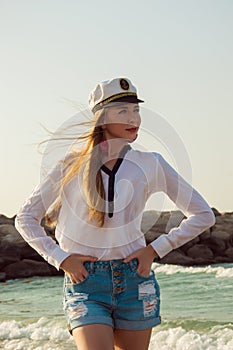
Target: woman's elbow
{"type": "Point", "coordinates": [21, 220]}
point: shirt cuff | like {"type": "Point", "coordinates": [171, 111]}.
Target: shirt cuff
{"type": "Point", "coordinates": [57, 257]}
{"type": "Point", "coordinates": [161, 245]}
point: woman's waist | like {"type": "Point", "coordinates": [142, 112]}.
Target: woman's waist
{"type": "Point", "coordinates": [103, 254]}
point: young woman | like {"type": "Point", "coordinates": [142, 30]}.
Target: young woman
{"type": "Point", "coordinates": [111, 296]}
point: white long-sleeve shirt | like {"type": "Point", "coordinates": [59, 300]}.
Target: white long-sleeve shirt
{"type": "Point", "coordinates": [128, 186]}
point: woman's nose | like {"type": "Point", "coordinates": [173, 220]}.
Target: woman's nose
{"type": "Point", "coordinates": [132, 118]}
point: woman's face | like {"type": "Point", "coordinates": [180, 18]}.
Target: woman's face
{"type": "Point", "coordinates": [122, 121]}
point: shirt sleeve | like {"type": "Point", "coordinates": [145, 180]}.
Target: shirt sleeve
{"type": "Point", "coordinates": [199, 215]}
{"type": "Point", "coordinates": [28, 218]}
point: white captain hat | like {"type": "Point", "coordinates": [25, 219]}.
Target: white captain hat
{"type": "Point", "coordinates": [114, 90]}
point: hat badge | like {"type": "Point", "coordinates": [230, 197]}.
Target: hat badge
{"type": "Point", "coordinates": [124, 84]}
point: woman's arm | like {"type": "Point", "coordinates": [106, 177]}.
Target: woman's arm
{"type": "Point", "coordinates": [28, 218]}
{"type": "Point", "coordinates": [199, 215]}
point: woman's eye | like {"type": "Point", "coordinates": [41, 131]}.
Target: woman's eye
{"type": "Point", "coordinates": [123, 111]}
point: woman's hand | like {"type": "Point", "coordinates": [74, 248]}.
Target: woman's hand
{"type": "Point", "coordinates": [145, 258]}
{"type": "Point", "coordinates": [74, 268]}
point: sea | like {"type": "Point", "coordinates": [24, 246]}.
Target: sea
{"type": "Point", "coordinates": [196, 311]}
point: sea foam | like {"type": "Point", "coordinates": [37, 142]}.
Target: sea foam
{"type": "Point", "coordinates": [219, 271]}
{"type": "Point", "coordinates": [180, 339]}
{"type": "Point", "coordinates": [47, 335]}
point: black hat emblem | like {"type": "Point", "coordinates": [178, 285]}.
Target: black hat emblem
{"type": "Point", "coordinates": [124, 84]}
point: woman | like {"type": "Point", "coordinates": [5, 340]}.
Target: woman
{"type": "Point", "coordinates": [111, 296]}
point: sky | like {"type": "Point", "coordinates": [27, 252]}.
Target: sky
{"type": "Point", "coordinates": [179, 55]}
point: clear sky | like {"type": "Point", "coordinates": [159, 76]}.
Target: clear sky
{"type": "Point", "coordinates": [179, 54]}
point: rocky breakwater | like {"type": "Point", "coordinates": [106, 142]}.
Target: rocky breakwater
{"type": "Point", "coordinates": [215, 245]}
{"type": "Point", "coordinates": [17, 258]}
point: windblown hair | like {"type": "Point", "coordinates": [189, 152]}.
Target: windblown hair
{"type": "Point", "coordinates": [89, 160]}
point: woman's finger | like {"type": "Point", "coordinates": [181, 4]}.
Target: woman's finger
{"type": "Point", "coordinates": [87, 258]}
{"type": "Point", "coordinates": [129, 258]}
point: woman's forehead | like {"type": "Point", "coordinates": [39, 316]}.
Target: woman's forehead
{"type": "Point", "coordinates": [118, 105]}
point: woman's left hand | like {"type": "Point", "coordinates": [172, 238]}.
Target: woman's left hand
{"type": "Point", "coordinates": [145, 257]}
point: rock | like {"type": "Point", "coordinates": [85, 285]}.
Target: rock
{"type": "Point", "coordinates": [229, 252]}
{"type": "Point", "coordinates": [151, 236]}
{"type": "Point", "coordinates": [28, 252]}
{"type": "Point", "coordinates": [2, 263]}
{"type": "Point", "coordinates": [221, 235]}
{"type": "Point", "coordinates": [222, 259]}
{"type": "Point", "coordinates": [5, 220]}
{"type": "Point", "coordinates": [216, 245]}
{"type": "Point", "coordinates": [149, 219]}
{"type": "Point", "coordinates": [27, 268]}
{"type": "Point", "coordinates": [9, 234]}
{"type": "Point", "coordinates": [189, 244]}
{"type": "Point", "coordinates": [2, 276]}
{"type": "Point", "coordinates": [175, 219]}
{"type": "Point", "coordinates": [205, 235]}
{"type": "Point", "coordinates": [200, 251]}
{"type": "Point", "coordinates": [177, 258]}
{"type": "Point", "coordinates": [9, 252]}
{"type": "Point", "coordinates": [216, 212]}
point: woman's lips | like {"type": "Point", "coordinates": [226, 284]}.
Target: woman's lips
{"type": "Point", "coordinates": [132, 130]}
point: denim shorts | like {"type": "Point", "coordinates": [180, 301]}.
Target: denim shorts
{"type": "Point", "coordinates": [113, 293]}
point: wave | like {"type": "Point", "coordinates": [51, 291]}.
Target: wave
{"type": "Point", "coordinates": [219, 271]}
{"type": "Point", "coordinates": [51, 335]}
{"type": "Point", "coordinates": [41, 335]}
{"type": "Point", "coordinates": [219, 338]}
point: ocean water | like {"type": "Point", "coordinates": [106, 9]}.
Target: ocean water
{"type": "Point", "coordinates": [196, 310]}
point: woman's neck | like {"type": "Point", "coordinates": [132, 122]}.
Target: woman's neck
{"type": "Point", "coordinates": [112, 148]}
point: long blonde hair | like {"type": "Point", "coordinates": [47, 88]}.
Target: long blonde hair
{"type": "Point", "coordinates": [89, 159]}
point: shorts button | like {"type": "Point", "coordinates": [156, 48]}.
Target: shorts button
{"type": "Point", "coordinates": [117, 281]}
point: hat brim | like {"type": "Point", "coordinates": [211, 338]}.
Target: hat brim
{"type": "Point", "coordinates": [128, 99]}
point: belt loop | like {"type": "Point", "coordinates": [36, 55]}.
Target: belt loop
{"type": "Point", "coordinates": [92, 269]}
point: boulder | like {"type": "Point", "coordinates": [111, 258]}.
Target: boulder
{"type": "Point", "coordinates": [26, 268]}
{"type": "Point", "coordinates": [28, 252]}
{"type": "Point", "coordinates": [221, 235]}
{"type": "Point", "coordinates": [174, 219]}
{"type": "Point", "coordinates": [2, 276]}
{"type": "Point", "coordinates": [10, 235]}
{"type": "Point", "coordinates": [200, 251]}
{"type": "Point", "coordinates": [229, 253]}
{"type": "Point", "coordinates": [216, 212]}
{"type": "Point", "coordinates": [189, 244]}
{"type": "Point", "coordinates": [5, 220]}
{"type": "Point", "coordinates": [177, 258]}
{"type": "Point", "coordinates": [205, 235]}
{"type": "Point", "coordinates": [150, 236]}
{"type": "Point", "coordinates": [149, 219]}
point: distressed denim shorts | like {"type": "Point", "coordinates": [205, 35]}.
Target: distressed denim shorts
{"type": "Point", "coordinates": [113, 293]}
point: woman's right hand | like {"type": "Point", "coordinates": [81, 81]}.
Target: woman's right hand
{"type": "Point", "coordinates": [74, 268]}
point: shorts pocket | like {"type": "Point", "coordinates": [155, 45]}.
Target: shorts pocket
{"type": "Point", "coordinates": [145, 277]}
{"type": "Point", "coordinates": [68, 281]}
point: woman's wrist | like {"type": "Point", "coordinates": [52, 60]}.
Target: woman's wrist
{"type": "Point", "coordinates": [153, 252]}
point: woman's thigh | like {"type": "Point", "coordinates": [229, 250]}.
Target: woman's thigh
{"type": "Point", "coordinates": [94, 337]}
{"type": "Point", "coordinates": [128, 340]}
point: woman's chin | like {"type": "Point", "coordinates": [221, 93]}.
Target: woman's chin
{"type": "Point", "coordinates": [133, 138]}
